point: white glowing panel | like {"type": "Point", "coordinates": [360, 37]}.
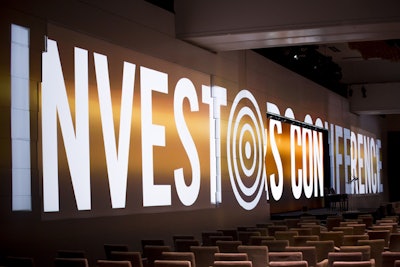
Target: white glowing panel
{"type": "Point", "coordinates": [20, 122]}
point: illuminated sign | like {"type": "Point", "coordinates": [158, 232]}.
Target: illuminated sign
{"type": "Point", "coordinates": [148, 134]}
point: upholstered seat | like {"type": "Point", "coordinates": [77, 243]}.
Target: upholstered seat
{"type": "Point", "coordinates": [301, 240]}
{"type": "Point", "coordinates": [377, 247]}
{"type": "Point", "coordinates": [228, 245]}
{"type": "Point", "coordinates": [183, 245]}
{"type": "Point", "coordinates": [323, 248]}
{"type": "Point", "coordinates": [286, 235]}
{"type": "Point", "coordinates": [365, 250]}
{"type": "Point", "coordinates": [351, 240]}
{"type": "Point", "coordinates": [343, 256]}
{"type": "Point", "coordinates": [369, 263]}
{"type": "Point", "coordinates": [288, 264]}
{"type": "Point", "coordinates": [179, 255]}
{"type": "Point", "coordinates": [275, 245]}
{"type": "Point", "coordinates": [154, 252]}
{"type": "Point", "coordinates": [114, 247]}
{"type": "Point", "coordinates": [172, 263]}
{"type": "Point", "coordinates": [111, 263]}
{"type": "Point", "coordinates": [219, 256]}
{"type": "Point", "coordinates": [68, 262]}
{"type": "Point", "coordinates": [232, 264]}
{"type": "Point", "coordinates": [258, 255]}
{"type": "Point", "coordinates": [309, 255]}
{"type": "Point", "coordinates": [135, 257]}
{"type": "Point", "coordinates": [285, 256]}
{"type": "Point", "coordinates": [204, 255]}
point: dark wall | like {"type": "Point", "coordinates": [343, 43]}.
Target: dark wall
{"type": "Point", "coordinates": [393, 165]}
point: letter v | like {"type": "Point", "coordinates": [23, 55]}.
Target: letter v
{"type": "Point", "coordinates": [117, 162]}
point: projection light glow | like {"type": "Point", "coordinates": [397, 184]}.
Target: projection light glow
{"type": "Point", "coordinates": [165, 161]}
{"type": "Point", "coordinates": [257, 138]}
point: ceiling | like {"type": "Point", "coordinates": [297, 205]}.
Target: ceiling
{"type": "Point", "coordinates": [337, 65]}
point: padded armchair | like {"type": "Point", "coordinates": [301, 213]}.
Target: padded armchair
{"type": "Point", "coordinates": [111, 263]}
{"type": "Point", "coordinates": [258, 255]}
{"type": "Point", "coordinates": [66, 253]}
{"type": "Point", "coordinates": [288, 264]}
{"type": "Point", "coordinates": [114, 247]}
{"type": "Point", "coordinates": [135, 257]}
{"type": "Point", "coordinates": [232, 264]}
{"type": "Point", "coordinates": [275, 245]}
{"type": "Point", "coordinates": [228, 245]}
{"type": "Point", "coordinates": [285, 256]}
{"type": "Point", "coordinates": [370, 263]}
{"type": "Point", "coordinates": [309, 255]}
{"type": "Point", "coordinates": [172, 263]}
{"type": "Point", "coordinates": [177, 255]}
{"type": "Point", "coordinates": [365, 250]}
{"type": "Point", "coordinates": [219, 256]}
{"type": "Point", "coordinates": [323, 248]}
{"type": "Point", "coordinates": [343, 256]}
{"type": "Point", "coordinates": [71, 262]}
{"type": "Point", "coordinates": [183, 245]}
{"type": "Point", "coordinates": [204, 255]}
{"type": "Point", "coordinates": [394, 242]}
{"type": "Point", "coordinates": [154, 252]}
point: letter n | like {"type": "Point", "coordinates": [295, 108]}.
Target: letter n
{"type": "Point", "coordinates": [55, 102]}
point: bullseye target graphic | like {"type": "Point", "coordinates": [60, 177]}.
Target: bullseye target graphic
{"type": "Point", "coordinates": [245, 150]}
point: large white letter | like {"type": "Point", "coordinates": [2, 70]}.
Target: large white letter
{"type": "Point", "coordinates": [215, 97]}
{"type": "Point", "coordinates": [187, 194]}
{"type": "Point", "coordinates": [296, 188]}
{"type": "Point", "coordinates": [117, 162]}
{"type": "Point", "coordinates": [152, 135]}
{"type": "Point", "coordinates": [55, 100]}
{"type": "Point", "coordinates": [276, 188]}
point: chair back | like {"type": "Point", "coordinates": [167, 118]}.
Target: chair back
{"type": "Point", "coordinates": [275, 245]}
{"type": "Point", "coordinates": [351, 240]}
{"type": "Point", "coordinates": [205, 240]}
{"type": "Point", "coordinates": [286, 235]}
{"type": "Point", "coordinates": [370, 263]}
{"type": "Point", "coordinates": [258, 255]}
{"type": "Point", "coordinates": [232, 264]}
{"type": "Point", "coordinates": [389, 258]}
{"type": "Point", "coordinates": [135, 257]}
{"type": "Point", "coordinates": [71, 262]}
{"type": "Point", "coordinates": [336, 236]}
{"type": "Point", "coordinates": [285, 256]}
{"type": "Point", "coordinates": [66, 253]}
{"type": "Point", "coordinates": [394, 242]}
{"type": "Point", "coordinates": [309, 253]}
{"type": "Point", "coordinates": [288, 264]}
{"type": "Point", "coordinates": [343, 256]}
{"type": "Point", "coordinates": [301, 240]}
{"type": "Point", "coordinates": [154, 252]}
{"type": "Point", "coordinates": [204, 255]}
{"type": "Point", "coordinates": [365, 250]}
{"type": "Point", "coordinates": [323, 248]}
{"type": "Point", "coordinates": [114, 247]}
{"type": "Point", "coordinates": [228, 245]}
{"type": "Point", "coordinates": [177, 255]}
{"type": "Point", "coordinates": [377, 247]}
{"type": "Point", "coordinates": [183, 245]}
{"type": "Point", "coordinates": [111, 263]}
{"type": "Point", "coordinates": [172, 263]}
{"type": "Point", "coordinates": [220, 256]}
{"type": "Point", "coordinates": [257, 240]}
{"type": "Point", "coordinates": [244, 236]}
